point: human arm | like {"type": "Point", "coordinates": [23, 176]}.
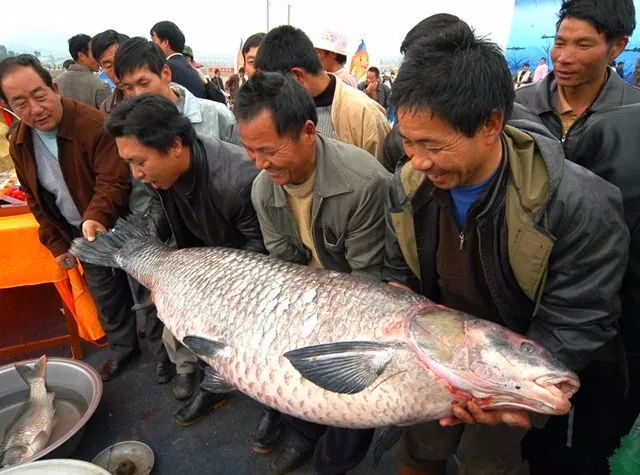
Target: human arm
{"type": "Point", "coordinates": [580, 302]}
{"type": "Point", "coordinates": [364, 242]}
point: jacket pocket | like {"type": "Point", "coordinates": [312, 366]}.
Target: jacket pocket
{"type": "Point", "coordinates": [332, 240]}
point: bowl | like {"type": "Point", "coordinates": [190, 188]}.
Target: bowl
{"type": "Point", "coordinates": [55, 467]}
{"type": "Point", "coordinates": [130, 451]}
{"type": "Point", "coordinates": [78, 390]}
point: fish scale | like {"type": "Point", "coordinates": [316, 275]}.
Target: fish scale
{"type": "Point", "coordinates": [330, 347]}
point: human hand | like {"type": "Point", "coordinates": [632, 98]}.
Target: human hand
{"type": "Point", "coordinates": [399, 286]}
{"type": "Point", "coordinates": [472, 414]}
{"type": "Point", "coordinates": [90, 228]}
{"type": "Point", "coordinates": [372, 87]}
{"type": "Point", "coordinates": [66, 261]}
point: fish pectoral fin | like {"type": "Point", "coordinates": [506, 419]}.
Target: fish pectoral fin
{"type": "Point", "coordinates": [215, 383]}
{"type": "Point", "coordinates": [384, 440]}
{"type": "Point", "coordinates": [41, 439]}
{"type": "Point", "coordinates": [345, 367]}
{"type": "Point", "coordinates": [203, 346]}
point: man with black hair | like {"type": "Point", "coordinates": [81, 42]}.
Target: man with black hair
{"type": "Point", "coordinates": [492, 220]}
{"type": "Point", "coordinates": [103, 47]}
{"type": "Point", "coordinates": [78, 81]}
{"type": "Point", "coordinates": [140, 67]}
{"type": "Point", "coordinates": [170, 38]}
{"type": "Point", "coordinates": [76, 185]}
{"type": "Point", "coordinates": [344, 113]}
{"type": "Point", "coordinates": [320, 203]}
{"type": "Point", "coordinates": [376, 89]}
{"type": "Point", "coordinates": [524, 76]}
{"type": "Point", "coordinates": [577, 96]}
{"type": "Point", "coordinates": [202, 188]}
{"type": "Point", "coordinates": [250, 51]}
{"type": "Point", "coordinates": [393, 154]}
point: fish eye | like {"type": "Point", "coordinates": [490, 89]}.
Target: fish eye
{"type": "Point", "coordinates": [526, 347]}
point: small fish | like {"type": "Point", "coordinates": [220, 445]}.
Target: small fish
{"type": "Point", "coordinates": [30, 431]}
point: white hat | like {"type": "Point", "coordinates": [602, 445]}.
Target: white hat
{"type": "Point", "coordinates": [332, 41]}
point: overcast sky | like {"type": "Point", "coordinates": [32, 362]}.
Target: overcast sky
{"type": "Point", "coordinates": [216, 27]}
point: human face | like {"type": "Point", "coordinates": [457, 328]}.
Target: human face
{"type": "Point", "coordinates": [142, 80]}
{"type": "Point", "coordinates": [160, 170]}
{"type": "Point", "coordinates": [37, 105]}
{"type": "Point", "coordinates": [326, 59]}
{"type": "Point", "coordinates": [445, 155]}
{"type": "Point", "coordinates": [371, 77]}
{"type": "Point", "coordinates": [249, 61]}
{"type": "Point", "coordinates": [287, 161]}
{"type": "Point", "coordinates": [164, 44]}
{"type": "Point", "coordinates": [106, 60]}
{"type": "Point", "coordinates": [580, 54]}
{"type": "Point", "coordinates": [87, 59]}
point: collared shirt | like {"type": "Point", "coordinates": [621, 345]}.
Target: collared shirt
{"type": "Point", "coordinates": [565, 111]}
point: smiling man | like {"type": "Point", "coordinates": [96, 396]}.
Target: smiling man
{"type": "Point", "coordinates": [320, 203]}
{"type": "Point", "coordinates": [76, 185]}
{"type": "Point", "coordinates": [491, 220]}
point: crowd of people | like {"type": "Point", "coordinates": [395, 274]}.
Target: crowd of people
{"type": "Point", "coordinates": [521, 207]}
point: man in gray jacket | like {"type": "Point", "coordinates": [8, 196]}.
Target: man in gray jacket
{"type": "Point", "coordinates": [320, 202]}
{"type": "Point", "coordinates": [78, 82]}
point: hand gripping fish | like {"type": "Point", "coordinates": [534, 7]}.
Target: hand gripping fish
{"type": "Point", "coordinates": [329, 347]}
{"type": "Point", "coordinates": [31, 430]}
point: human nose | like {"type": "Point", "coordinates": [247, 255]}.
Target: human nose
{"type": "Point", "coordinates": [565, 54]}
{"type": "Point", "coordinates": [136, 172]}
{"type": "Point", "coordinates": [421, 159]}
{"type": "Point", "coordinates": [261, 161]}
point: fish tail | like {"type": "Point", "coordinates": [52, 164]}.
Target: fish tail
{"type": "Point", "coordinates": [41, 367]}
{"type": "Point", "coordinates": [26, 372]}
{"type": "Point", "coordinates": [104, 251]}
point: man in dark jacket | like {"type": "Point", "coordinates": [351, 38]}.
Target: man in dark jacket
{"type": "Point", "coordinates": [76, 185]}
{"type": "Point", "coordinates": [170, 38]}
{"type": "Point", "coordinates": [491, 220]}
{"type": "Point", "coordinates": [590, 34]}
{"type": "Point", "coordinates": [202, 186]}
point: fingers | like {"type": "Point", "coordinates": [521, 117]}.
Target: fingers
{"type": "Point", "coordinates": [517, 419]}
{"type": "Point", "coordinates": [450, 421]}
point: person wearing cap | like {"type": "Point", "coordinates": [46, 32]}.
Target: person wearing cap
{"type": "Point", "coordinates": [332, 51]}
{"type": "Point", "coordinates": [187, 52]}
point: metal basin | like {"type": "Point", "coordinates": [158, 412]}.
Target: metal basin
{"type": "Point", "coordinates": [78, 390]}
{"type": "Point", "coordinates": [136, 453]}
{"type": "Point", "coordinates": [56, 467]}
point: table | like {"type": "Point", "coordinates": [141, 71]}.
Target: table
{"type": "Point", "coordinates": [25, 261]}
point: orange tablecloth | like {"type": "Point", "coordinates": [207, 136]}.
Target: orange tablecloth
{"type": "Point", "coordinates": [25, 261]}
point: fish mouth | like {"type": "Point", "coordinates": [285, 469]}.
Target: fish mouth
{"type": "Point", "coordinates": [546, 395]}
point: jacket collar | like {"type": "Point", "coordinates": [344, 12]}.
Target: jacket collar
{"type": "Point", "coordinates": [544, 92]}
{"type": "Point", "coordinates": [190, 106]}
{"type": "Point", "coordinates": [66, 127]}
{"type": "Point", "coordinates": [329, 174]}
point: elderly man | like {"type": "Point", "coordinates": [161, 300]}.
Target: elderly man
{"type": "Point", "coordinates": [320, 203]}
{"type": "Point", "coordinates": [493, 221]}
{"type": "Point", "coordinates": [344, 113]}
{"type": "Point", "coordinates": [76, 185]}
{"type": "Point", "coordinates": [202, 188]}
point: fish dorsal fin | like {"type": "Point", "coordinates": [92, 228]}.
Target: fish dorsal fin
{"type": "Point", "coordinates": [346, 367]}
{"type": "Point", "coordinates": [50, 396]}
{"type": "Point", "coordinates": [203, 346]}
{"type": "Point", "coordinates": [215, 383]}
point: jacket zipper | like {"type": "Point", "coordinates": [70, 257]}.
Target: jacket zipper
{"type": "Point", "coordinates": [461, 236]}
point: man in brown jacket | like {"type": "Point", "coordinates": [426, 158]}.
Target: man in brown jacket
{"type": "Point", "coordinates": [76, 185]}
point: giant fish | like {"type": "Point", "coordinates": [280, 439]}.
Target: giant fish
{"type": "Point", "coordinates": [30, 431]}
{"type": "Point", "coordinates": [330, 347]}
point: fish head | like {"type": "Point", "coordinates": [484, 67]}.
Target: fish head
{"type": "Point", "coordinates": [489, 364]}
{"type": "Point", "coordinates": [15, 455]}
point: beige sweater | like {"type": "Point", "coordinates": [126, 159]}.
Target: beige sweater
{"type": "Point", "coordinates": [300, 200]}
